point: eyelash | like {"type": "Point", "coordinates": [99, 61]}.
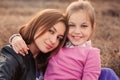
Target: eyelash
{"type": "Point", "coordinates": [59, 38]}
{"type": "Point", "coordinates": [84, 26]}
{"type": "Point", "coordinates": [71, 25]}
{"type": "Point", "coordinates": [52, 32]}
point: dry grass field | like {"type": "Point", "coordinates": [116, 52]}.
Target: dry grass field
{"type": "Point", "coordinates": [14, 13]}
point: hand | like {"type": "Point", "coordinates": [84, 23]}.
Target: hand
{"type": "Point", "coordinates": [19, 45]}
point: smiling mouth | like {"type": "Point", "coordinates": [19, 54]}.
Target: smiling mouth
{"type": "Point", "coordinates": [76, 37]}
{"type": "Point", "coordinates": [48, 46]}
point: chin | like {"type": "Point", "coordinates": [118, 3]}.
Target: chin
{"type": "Point", "coordinates": [44, 51]}
{"type": "Point", "coordinates": [76, 44]}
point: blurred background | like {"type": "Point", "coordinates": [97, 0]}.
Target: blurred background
{"type": "Point", "coordinates": [14, 13]}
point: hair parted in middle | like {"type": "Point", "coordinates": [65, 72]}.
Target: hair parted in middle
{"type": "Point", "coordinates": [84, 6]}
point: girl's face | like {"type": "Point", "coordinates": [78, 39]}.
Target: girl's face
{"type": "Point", "coordinates": [80, 28]}
{"type": "Point", "coordinates": [51, 38]}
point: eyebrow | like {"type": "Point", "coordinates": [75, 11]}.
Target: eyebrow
{"type": "Point", "coordinates": [83, 23]}
{"type": "Point", "coordinates": [70, 23]}
{"type": "Point", "coordinates": [54, 28]}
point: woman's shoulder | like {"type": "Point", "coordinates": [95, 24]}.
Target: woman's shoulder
{"type": "Point", "coordinates": [8, 63]}
{"type": "Point", "coordinates": [9, 55]}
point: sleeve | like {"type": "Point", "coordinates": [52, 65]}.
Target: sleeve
{"type": "Point", "coordinates": [92, 67]}
{"type": "Point", "coordinates": [8, 67]}
{"type": "Point", "coordinates": [11, 37]}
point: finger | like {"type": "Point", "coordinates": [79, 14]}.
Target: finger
{"type": "Point", "coordinates": [21, 53]}
{"type": "Point", "coordinates": [21, 48]}
{"type": "Point", "coordinates": [18, 48]}
{"type": "Point", "coordinates": [25, 51]}
{"type": "Point", "coordinates": [25, 48]}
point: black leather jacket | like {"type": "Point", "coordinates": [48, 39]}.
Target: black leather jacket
{"type": "Point", "coordinates": [16, 67]}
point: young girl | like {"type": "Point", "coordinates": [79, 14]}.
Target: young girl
{"type": "Point", "coordinates": [77, 60]}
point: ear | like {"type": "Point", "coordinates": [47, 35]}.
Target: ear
{"type": "Point", "coordinates": [94, 25]}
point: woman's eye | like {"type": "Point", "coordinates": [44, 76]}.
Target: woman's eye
{"type": "Point", "coordinates": [59, 38]}
{"type": "Point", "coordinates": [51, 31]}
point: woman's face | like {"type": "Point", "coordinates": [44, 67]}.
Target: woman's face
{"type": "Point", "coordinates": [51, 38]}
{"type": "Point", "coordinates": [80, 28]}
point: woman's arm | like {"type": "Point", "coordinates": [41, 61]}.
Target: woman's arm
{"type": "Point", "coordinates": [18, 44]}
{"type": "Point", "coordinates": [92, 67]}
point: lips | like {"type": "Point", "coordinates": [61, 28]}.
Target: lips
{"type": "Point", "coordinates": [77, 38]}
{"type": "Point", "coordinates": [48, 46]}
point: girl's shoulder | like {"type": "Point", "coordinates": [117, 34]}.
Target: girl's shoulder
{"type": "Point", "coordinates": [94, 49]}
{"type": "Point", "coordinates": [93, 53]}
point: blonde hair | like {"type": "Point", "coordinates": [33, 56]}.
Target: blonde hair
{"type": "Point", "coordinates": [81, 5]}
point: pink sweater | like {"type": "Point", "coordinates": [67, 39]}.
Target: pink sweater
{"type": "Point", "coordinates": [78, 63]}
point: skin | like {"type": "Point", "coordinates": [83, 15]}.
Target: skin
{"type": "Point", "coordinates": [51, 39]}
{"type": "Point", "coordinates": [80, 28]}
{"type": "Point", "coordinates": [80, 31]}
{"type": "Point", "coordinates": [44, 43]}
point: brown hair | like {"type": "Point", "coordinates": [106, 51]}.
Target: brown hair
{"type": "Point", "coordinates": [81, 5]}
{"type": "Point", "coordinates": [44, 19]}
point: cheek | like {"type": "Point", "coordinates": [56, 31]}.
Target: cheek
{"type": "Point", "coordinates": [56, 45]}
{"type": "Point", "coordinates": [38, 41]}
{"type": "Point", "coordinates": [88, 35]}
{"type": "Point", "coordinates": [68, 36]}
{"type": "Point", "coordinates": [70, 31]}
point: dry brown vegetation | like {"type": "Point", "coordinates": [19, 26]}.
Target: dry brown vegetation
{"type": "Point", "coordinates": [14, 13]}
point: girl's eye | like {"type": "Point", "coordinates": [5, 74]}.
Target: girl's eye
{"type": "Point", "coordinates": [60, 38]}
{"type": "Point", "coordinates": [71, 25]}
{"type": "Point", "coordinates": [84, 26]}
{"type": "Point", "coordinates": [51, 31]}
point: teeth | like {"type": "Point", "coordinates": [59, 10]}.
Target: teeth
{"type": "Point", "coordinates": [76, 37]}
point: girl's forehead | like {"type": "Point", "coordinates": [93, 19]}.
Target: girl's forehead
{"type": "Point", "coordinates": [79, 15]}
{"type": "Point", "coordinates": [79, 11]}
{"type": "Point", "coordinates": [79, 18]}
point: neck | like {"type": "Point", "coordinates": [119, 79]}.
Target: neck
{"type": "Point", "coordinates": [33, 48]}
{"type": "Point", "coordinates": [87, 43]}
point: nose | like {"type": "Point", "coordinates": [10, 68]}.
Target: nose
{"type": "Point", "coordinates": [77, 30]}
{"type": "Point", "coordinates": [53, 39]}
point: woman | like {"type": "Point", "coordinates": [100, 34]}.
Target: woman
{"type": "Point", "coordinates": [44, 35]}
